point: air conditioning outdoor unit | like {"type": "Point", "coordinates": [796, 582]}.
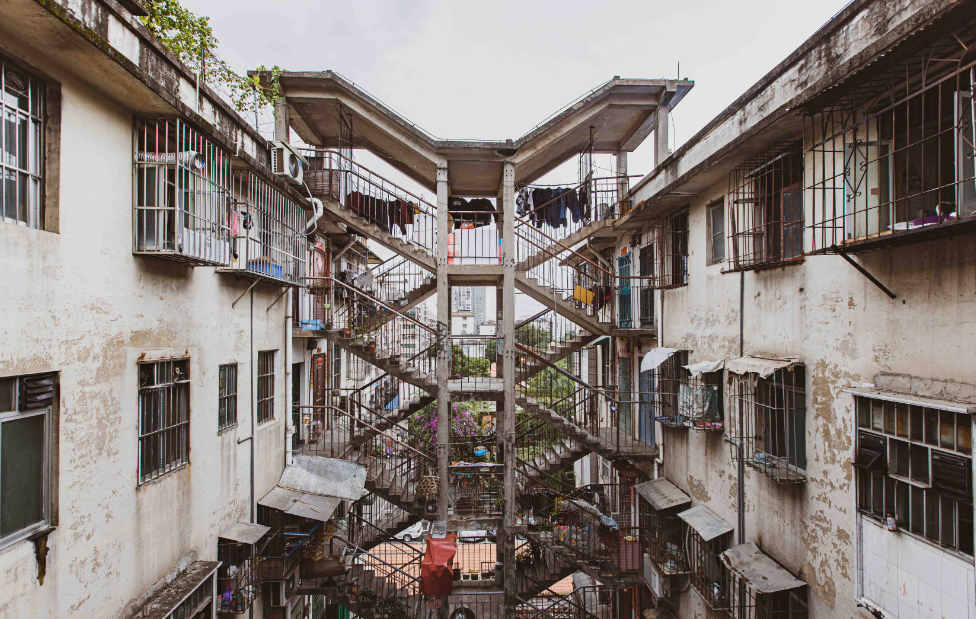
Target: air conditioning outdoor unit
{"type": "Point", "coordinates": [656, 581]}
{"type": "Point", "coordinates": [287, 162]}
{"type": "Point", "coordinates": [280, 591]}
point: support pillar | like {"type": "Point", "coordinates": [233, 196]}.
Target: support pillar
{"type": "Point", "coordinates": [661, 151]}
{"type": "Point", "coordinates": [282, 121]}
{"type": "Point", "coordinates": [506, 433]}
{"type": "Point", "coordinates": [443, 366]}
{"type": "Point", "coordinates": [623, 183]}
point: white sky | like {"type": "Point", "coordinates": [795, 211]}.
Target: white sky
{"type": "Point", "coordinates": [493, 70]}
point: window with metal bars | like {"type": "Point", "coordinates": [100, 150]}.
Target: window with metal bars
{"type": "Point", "coordinates": [766, 208]}
{"type": "Point", "coordinates": [891, 155]}
{"type": "Point", "coordinates": [716, 232]}
{"type": "Point", "coordinates": [21, 146]}
{"type": "Point", "coordinates": [768, 420]}
{"type": "Point", "coordinates": [746, 602]}
{"type": "Point", "coordinates": [27, 422]}
{"type": "Point", "coordinates": [914, 463]}
{"type": "Point", "coordinates": [164, 417]}
{"type": "Point", "coordinates": [664, 382]}
{"type": "Point", "coordinates": [662, 533]}
{"type": "Point", "coordinates": [700, 400]}
{"type": "Point", "coordinates": [709, 575]}
{"type": "Point", "coordinates": [266, 385]}
{"type": "Point", "coordinates": [227, 396]}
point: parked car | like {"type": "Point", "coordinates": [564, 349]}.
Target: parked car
{"type": "Point", "coordinates": [417, 532]}
{"type": "Point", "coordinates": [475, 536]}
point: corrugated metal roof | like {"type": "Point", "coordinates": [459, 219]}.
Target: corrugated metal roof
{"type": "Point", "coordinates": [325, 476]}
{"type": "Point", "coordinates": [764, 366]}
{"type": "Point", "coordinates": [759, 571]}
{"type": "Point", "coordinates": [904, 398]}
{"type": "Point", "coordinates": [304, 504]}
{"type": "Point", "coordinates": [245, 532]}
{"type": "Point", "coordinates": [705, 522]}
{"type": "Point", "coordinates": [662, 494]}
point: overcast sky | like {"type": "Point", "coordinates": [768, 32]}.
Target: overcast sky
{"type": "Point", "coordinates": [493, 70]}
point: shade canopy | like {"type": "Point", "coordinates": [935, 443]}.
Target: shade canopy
{"type": "Point", "coordinates": [245, 532]}
{"type": "Point", "coordinates": [705, 522]}
{"type": "Point", "coordinates": [312, 487]}
{"type": "Point", "coordinates": [656, 357]}
{"type": "Point", "coordinates": [704, 367]}
{"type": "Point", "coordinates": [763, 366]}
{"type": "Point", "coordinates": [904, 398]}
{"type": "Point", "coordinates": [662, 494]}
{"type": "Point", "coordinates": [758, 570]}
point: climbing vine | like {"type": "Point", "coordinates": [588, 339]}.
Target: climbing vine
{"type": "Point", "coordinates": [192, 40]}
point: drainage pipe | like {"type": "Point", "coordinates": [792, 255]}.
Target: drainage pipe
{"type": "Point", "coordinates": [741, 473]}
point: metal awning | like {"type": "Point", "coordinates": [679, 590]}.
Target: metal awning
{"type": "Point", "coordinates": [704, 367]}
{"type": "Point", "coordinates": [162, 605]}
{"type": "Point", "coordinates": [763, 366]}
{"type": "Point", "coordinates": [705, 522]}
{"type": "Point", "coordinates": [312, 487]}
{"type": "Point", "coordinates": [244, 532]}
{"type": "Point", "coordinates": [902, 398]}
{"type": "Point", "coordinates": [758, 570]}
{"type": "Point", "coordinates": [662, 494]}
{"type": "Point", "coordinates": [655, 357]}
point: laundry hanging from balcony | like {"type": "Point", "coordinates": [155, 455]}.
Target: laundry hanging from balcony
{"type": "Point", "coordinates": [550, 205]}
{"type": "Point", "coordinates": [468, 214]}
{"type": "Point", "coordinates": [387, 214]}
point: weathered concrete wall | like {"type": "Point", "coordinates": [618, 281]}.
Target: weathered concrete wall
{"type": "Point", "coordinates": [846, 331]}
{"type": "Point", "coordinates": [81, 304]}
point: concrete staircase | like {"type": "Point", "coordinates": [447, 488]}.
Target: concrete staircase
{"type": "Point", "coordinates": [374, 536]}
{"type": "Point", "coordinates": [554, 458]}
{"type": "Point", "coordinates": [555, 249]}
{"type": "Point", "coordinates": [567, 308]}
{"type": "Point", "coordinates": [382, 424]}
{"type": "Point", "coordinates": [412, 299]}
{"type": "Point", "coordinates": [385, 481]}
{"type": "Point", "coordinates": [370, 581]}
{"type": "Point", "coordinates": [556, 352]}
{"type": "Point", "coordinates": [363, 226]}
{"type": "Point", "coordinates": [403, 371]}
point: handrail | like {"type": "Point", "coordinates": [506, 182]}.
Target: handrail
{"type": "Point", "coordinates": [370, 426]}
{"type": "Point", "coordinates": [353, 164]}
{"type": "Point", "coordinates": [565, 373]}
{"type": "Point", "coordinates": [380, 303]}
{"type": "Point", "coordinates": [363, 551]}
{"type": "Point", "coordinates": [537, 316]}
{"type": "Point", "coordinates": [564, 247]}
{"type": "Point", "coordinates": [382, 532]}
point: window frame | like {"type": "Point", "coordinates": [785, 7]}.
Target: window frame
{"type": "Point", "coordinates": [50, 454]}
{"type": "Point", "coordinates": [182, 427]}
{"type": "Point", "coordinates": [36, 154]}
{"type": "Point", "coordinates": [266, 379]}
{"type": "Point", "coordinates": [225, 397]}
{"type": "Point", "coordinates": [713, 235]}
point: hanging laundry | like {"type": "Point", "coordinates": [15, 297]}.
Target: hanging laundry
{"type": "Point", "coordinates": [468, 214]}
{"type": "Point", "coordinates": [523, 202]}
{"type": "Point", "coordinates": [584, 201]}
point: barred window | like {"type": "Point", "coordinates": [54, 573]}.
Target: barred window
{"type": "Point", "coordinates": [716, 233]}
{"type": "Point", "coordinates": [914, 462]}
{"type": "Point", "coordinates": [266, 385]}
{"type": "Point", "coordinates": [164, 417]}
{"type": "Point", "coordinates": [21, 146]}
{"type": "Point", "coordinates": [227, 396]}
{"type": "Point", "coordinates": [26, 417]}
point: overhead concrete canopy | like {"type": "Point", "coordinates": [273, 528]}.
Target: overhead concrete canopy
{"type": "Point", "coordinates": [621, 112]}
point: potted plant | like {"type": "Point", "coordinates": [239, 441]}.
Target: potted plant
{"type": "Point", "coordinates": [347, 333]}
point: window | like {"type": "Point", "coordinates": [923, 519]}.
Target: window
{"type": "Point", "coordinates": [164, 417]}
{"type": "Point", "coordinates": [915, 463]}
{"type": "Point", "coordinates": [709, 575]}
{"type": "Point", "coordinates": [227, 396]}
{"type": "Point", "coordinates": [716, 233]}
{"type": "Point", "coordinates": [266, 385]}
{"type": "Point", "coordinates": [772, 425]}
{"type": "Point", "coordinates": [26, 420]}
{"type": "Point", "coordinates": [22, 147]}
{"type": "Point", "coordinates": [766, 208]}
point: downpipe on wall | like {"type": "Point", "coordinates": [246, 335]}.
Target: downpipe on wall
{"type": "Point", "coordinates": [289, 424]}
{"type": "Point", "coordinates": [741, 472]}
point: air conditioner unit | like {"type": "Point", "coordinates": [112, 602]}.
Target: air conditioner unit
{"type": "Point", "coordinates": [287, 162]}
{"type": "Point", "coordinates": [278, 592]}
{"type": "Point", "coordinates": [656, 581]}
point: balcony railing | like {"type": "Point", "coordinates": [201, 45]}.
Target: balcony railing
{"type": "Point", "coordinates": [182, 195]}
{"type": "Point", "coordinates": [267, 233]}
{"type": "Point", "coordinates": [336, 178]}
{"type": "Point", "coordinates": [474, 238]}
{"type": "Point", "coordinates": [635, 302]}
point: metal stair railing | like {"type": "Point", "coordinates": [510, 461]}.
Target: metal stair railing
{"type": "Point", "coordinates": [333, 177]}
{"type": "Point", "coordinates": [396, 277]}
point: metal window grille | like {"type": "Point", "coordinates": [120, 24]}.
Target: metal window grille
{"type": "Point", "coordinates": [26, 409]}
{"type": "Point", "coordinates": [716, 223]}
{"type": "Point", "coordinates": [198, 603]}
{"type": "Point", "coordinates": [766, 208]}
{"type": "Point", "coordinates": [700, 401]}
{"type": "Point", "coordinates": [267, 233]}
{"type": "Point", "coordinates": [768, 419]}
{"type": "Point", "coordinates": [914, 463]}
{"type": "Point", "coordinates": [892, 155]}
{"type": "Point", "coordinates": [237, 574]}
{"type": "Point", "coordinates": [182, 194]}
{"type": "Point", "coordinates": [662, 532]}
{"type": "Point", "coordinates": [747, 603]}
{"type": "Point", "coordinates": [665, 388]}
{"type": "Point", "coordinates": [164, 417]}
{"type": "Point", "coordinates": [266, 385]}
{"type": "Point", "coordinates": [227, 396]}
{"type": "Point", "coordinates": [709, 575]}
{"type": "Point", "coordinates": [21, 146]}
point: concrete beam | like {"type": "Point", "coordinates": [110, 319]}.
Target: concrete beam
{"type": "Point", "coordinates": [443, 366]}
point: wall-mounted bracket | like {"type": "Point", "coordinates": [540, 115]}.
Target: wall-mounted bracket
{"type": "Point", "coordinates": [234, 304]}
{"type": "Point", "coordinates": [863, 271]}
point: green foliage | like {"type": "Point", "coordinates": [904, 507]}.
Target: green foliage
{"type": "Point", "coordinates": [192, 41]}
{"type": "Point", "coordinates": [469, 366]}
{"type": "Point", "coordinates": [531, 335]}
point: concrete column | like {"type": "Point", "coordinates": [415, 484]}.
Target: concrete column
{"type": "Point", "coordinates": [506, 434]}
{"type": "Point", "coordinates": [443, 366]}
{"type": "Point", "coordinates": [623, 183]}
{"type": "Point", "coordinates": [282, 121]}
{"type": "Point", "coordinates": [661, 151]}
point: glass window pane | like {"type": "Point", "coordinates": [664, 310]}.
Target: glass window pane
{"type": "Point", "coordinates": [37, 89]}
{"type": "Point", "coordinates": [35, 147]}
{"type": "Point", "coordinates": [22, 143]}
{"type": "Point", "coordinates": [901, 504]}
{"type": "Point", "coordinates": [898, 458]}
{"type": "Point", "coordinates": [877, 413]}
{"type": "Point", "coordinates": [918, 431]}
{"type": "Point", "coordinates": [965, 527]}
{"type": "Point", "coordinates": [964, 434]}
{"type": "Point", "coordinates": [22, 198]}
{"type": "Point", "coordinates": [863, 412]}
{"type": "Point", "coordinates": [889, 417]}
{"type": "Point", "coordinates": [931, 426]}
{"type": "Point", "coordinates": [10, 194]}
{"type": "Point", "coordinates": [948, 522]}
{"type": "Point", "coordinates": [8, 395]}
{"type": "Point", "coordinates": [21, 473]}
{"type": "Point", "coordinates": [9, 137]}
{"type": "Point", "coordinates": [948, 430]}
{"type": "Point", "coordinates": [15, 88]}
{"type": "Point", "coordinates": [918, 511]}
{"type": "Point", "coordinates": [920, 464]}
{"type": "Point", "coordinates": [931, 515]}
{"type": "Point", "coordinates": [877, 494]}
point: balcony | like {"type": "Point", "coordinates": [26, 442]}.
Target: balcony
{"type": "Point", "coordinates": [662, 536]}
{"type": "Point", "coordinates": [708, 536]}
{"type": "Point", "coordinates": [267, 232]}
{"type": "Point", "coordinates": [237, 578]}
{"type": "Point", "coordinates": [182, 195]}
